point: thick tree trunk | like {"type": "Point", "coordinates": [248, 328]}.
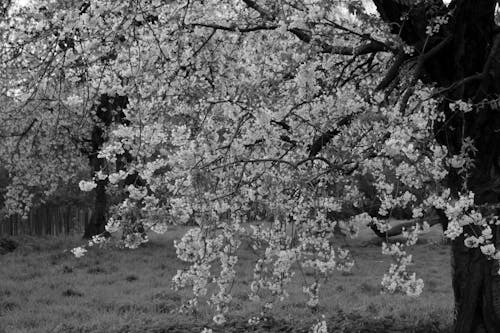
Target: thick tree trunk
{"type": "Point", "coordinates": [476, 288]}
{"type": "Point", "coordinates": [108, 110]}
{"type": "Point", "coordinates": [476, 282]}
{"type": "Point", "coordinates": [468, 66]}
{"type": "Point", "coordinates": [98, 221]}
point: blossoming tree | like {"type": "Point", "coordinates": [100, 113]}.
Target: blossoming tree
{"type": "Point", "coordinates": [288, 103]}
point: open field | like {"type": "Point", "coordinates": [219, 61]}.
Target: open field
{"type": "Point", "coordinates": [43, 288]}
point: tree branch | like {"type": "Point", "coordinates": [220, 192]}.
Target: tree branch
{"type": "Point", "coordinates": [420, 66]}
{"type": "Point", "coordinates": [252, 4]}
{"type": "Point", "coordinates": [367, 48]}
{"type": "Point", "coordinates": [22, 134]}
{"type": "Point", "coordinates": [457, 84]}
{"type": "Point", "coordinates": [324, 139]}
{"type": "Point", "coordinates": [398, 229]}
{"type": "Point", "coordinates": [485, 76]}
{"type": "Point", "coordinates": [234, 28]}
{"type": "Point", "coordinates": [304, 36]}
{"type": "Point", "coordinates": [393, 71]}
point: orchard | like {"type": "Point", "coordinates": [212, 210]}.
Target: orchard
{"type": "Point", "coordinates": [193, 112]}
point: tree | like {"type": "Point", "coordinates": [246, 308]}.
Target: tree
{"type": "Point", "coordinates": [470, 41]}
{"type": "Point", "coordinates": [109, 110]}
{"type": "Point", "coordinates": [53, 115]}
{"type": "Point", "coordinates": [289, 103]}
{"type": "Point", "coordinates": [38, 135]}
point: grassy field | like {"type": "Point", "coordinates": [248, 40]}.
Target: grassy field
{"type": "Point", "coordinates": [43, 288]}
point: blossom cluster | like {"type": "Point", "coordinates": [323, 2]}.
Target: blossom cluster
{"type": "Point", "coordinates": [398, 279]}
{"type": "Point", "coordinates": [436, 24]}
{"type": "Point", "coordinates": [320, 327]}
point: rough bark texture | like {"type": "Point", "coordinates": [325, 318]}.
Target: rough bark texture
{"type": "Point", "coordinates": [108, 110]}
{"type": "Point", "coordinates": [468, 68]}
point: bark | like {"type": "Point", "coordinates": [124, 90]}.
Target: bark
{"type": "Point", "coordinates": [398, 228]}
{"type": "Point", "coordinates": [109, 109]}
{"type": "Point", "coordinates": [468, 68]}
{"type": "Point", "coordinates": [97, 223]}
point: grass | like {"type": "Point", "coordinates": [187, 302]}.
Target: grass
{"type": "Point", "coordinates": [43, 288]}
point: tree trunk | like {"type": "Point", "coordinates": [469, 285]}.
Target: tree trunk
{"type": "Point", "coordinates": [108, 110]}
{"type": "Point", "coordinates": [476, 288]}
{"type": "Point", "coordinates": [467, 65]}
{"type": "Point", "coordinates": [98, 220]}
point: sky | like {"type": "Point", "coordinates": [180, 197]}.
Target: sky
{"type": "Point", "coordinates": [22, 2]}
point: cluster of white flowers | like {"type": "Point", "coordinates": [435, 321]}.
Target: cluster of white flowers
{"type": "Point", "coordinates": [436, 24]}
{"type": "Point", "coordinates": [398, 279]}
{"type": "Point", "coordinates": [111, 151]}
{"type": "Point", "coordinates": [254, 320]}
{"type": "Point", "coordinates": [225, 280]}
{"type": "Point", "coordinates": [197, 276]}
{"type": "Point", "coordinates": [117, 176]}
{"type": "Point", "coordinates": [219, 319]}
{"type": "Point", "coordinates": [409, 49]}
{"type": "Point", "coordinates": [258, 281]}
{"type": "Point", "coordinates": [463, 216]}
{"type": "Point", "coordinates": [313, 292]}
{"type": "Point", "coordinates": [461, 106]}
{"type": "Point", "coordinates": [457, 212]}
{"type": "Point", "coordinates": [482, 240]}
{"type": "Point", "coordinates": [320, 327]}
{"type": "Point", "coordinates": [489, 250]}
{"type": "Point", "coordinates": [159, 228]}
{"type": "Point", "coordinates": [281, 274]}
{"type": "Point", "coordinates": [134, 240]}
{"type": "Point", "coordinates": [79, 251]}
{"type": "Point", "coordinates": [113, 225]}
{"type": "Point", "coordinates": [98, 240]}
{"type": "Point", "coordinates": [194, 246]}
{"type": "Point", "coordinates": [137, 193]}
{"type": "Point", "coordinates": [197, 248]}
{"type": "Point", "coordinates": [74, 101]}
{"type": "Point", "coordinates": [87, 186]}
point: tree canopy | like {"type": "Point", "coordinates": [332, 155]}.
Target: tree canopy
{"type": "Point", "coordinates": [193, 111]}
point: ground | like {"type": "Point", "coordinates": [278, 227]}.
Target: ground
{"type": "Point", "coordinates": [43, 288]}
